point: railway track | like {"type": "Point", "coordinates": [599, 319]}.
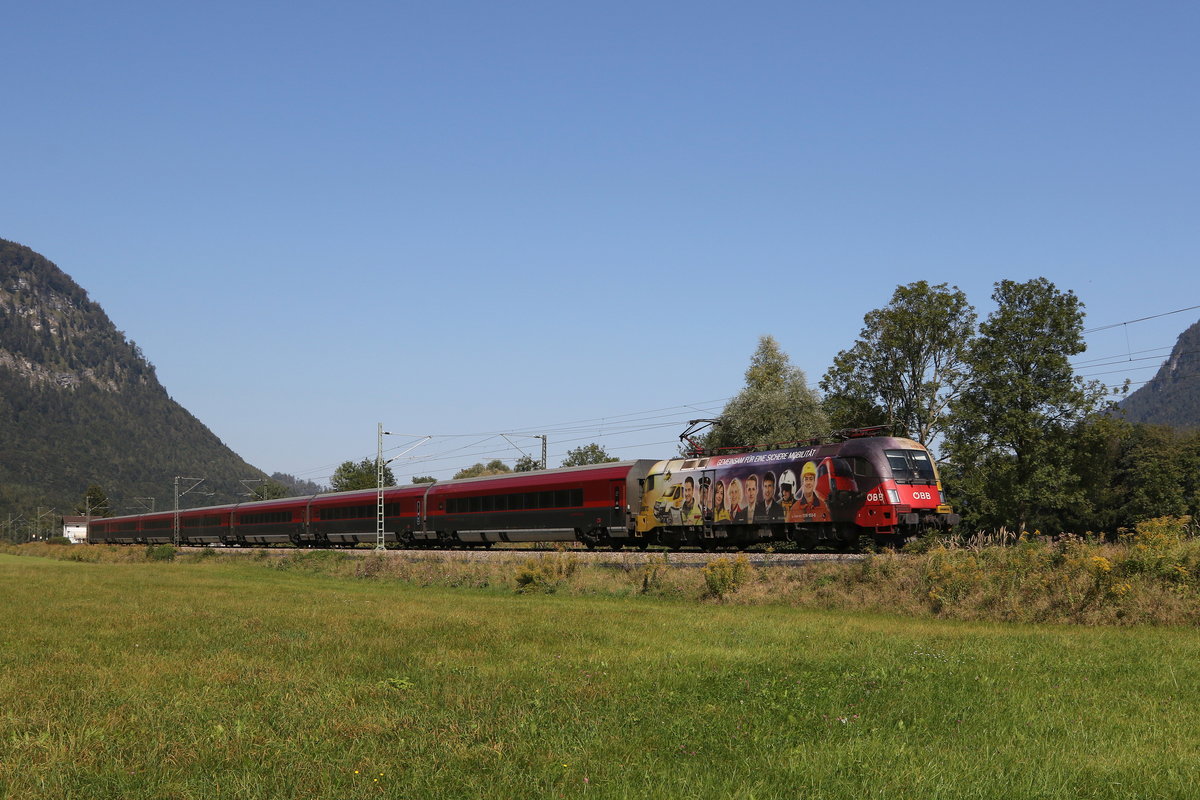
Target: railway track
{"type": "Point", "coordinates": [599, 558]}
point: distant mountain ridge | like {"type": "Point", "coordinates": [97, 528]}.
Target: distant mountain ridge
{"type": "Point", "coordinates": [1172, 396]}
{"type": "Point", "coordinates": [80, 404]}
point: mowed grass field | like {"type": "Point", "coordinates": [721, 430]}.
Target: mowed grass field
{"type": "Point", "coordinates": [214, 679]}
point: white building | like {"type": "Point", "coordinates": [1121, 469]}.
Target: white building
{"type": "Point", "coordinates": [75, 529]}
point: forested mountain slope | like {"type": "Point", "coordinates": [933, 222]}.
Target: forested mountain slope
{"type": "Point", "coordinates": [79, 404]}
{"type": "Point", "coordinates": [1172, 397]}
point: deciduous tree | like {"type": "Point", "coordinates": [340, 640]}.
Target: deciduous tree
{"type": "Point", "coordinates": [1011, 435]}
{"type": "Point", "coordinates": [587, 454]}
{"type": "Point", "coordinates": [270, 490]}
{"type": "Point", "coordinates": [908, 364]}
{"type": "Point", "coordinates": [493, 467]}
{"type": "Point", "coordinates": [352, 475]}
{"type": "Point", "coordinates": [527, 464]}
{"type": "Point", "coordinates": [775, 406]}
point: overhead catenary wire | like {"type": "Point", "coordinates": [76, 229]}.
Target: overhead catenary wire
{"type": "Point", "coordinates": [577, 430]}
{"type": "Point", "coordinates": [610, 425]}
{"type": "Point", "coordinates": [1140, 319]}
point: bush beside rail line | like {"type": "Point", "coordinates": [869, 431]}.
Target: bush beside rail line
{"type": "Point", "coordinates": [1149, 575]}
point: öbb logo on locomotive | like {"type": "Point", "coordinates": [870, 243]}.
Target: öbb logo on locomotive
{"type": "Point", "coordinates": [831, 494]}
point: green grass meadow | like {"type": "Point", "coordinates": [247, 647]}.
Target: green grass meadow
{"type": "Point", "coordinates": [223, 679]}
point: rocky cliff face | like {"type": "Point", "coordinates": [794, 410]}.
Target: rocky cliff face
{"type": "Point", "coordinates": [1172, 396]}
{"type": "Point", "coordinates": [51, 333]}
{"type": "Point", "coordinates": [80, 404]}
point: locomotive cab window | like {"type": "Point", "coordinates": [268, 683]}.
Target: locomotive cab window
{"type": "Point", "coordinates": [911, 465]}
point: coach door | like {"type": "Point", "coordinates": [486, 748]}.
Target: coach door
{"type": "Point", "coordinates": [616, 491]}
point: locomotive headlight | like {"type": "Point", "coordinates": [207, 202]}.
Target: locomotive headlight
{"type": "Point", "coordinates": [893, 496]}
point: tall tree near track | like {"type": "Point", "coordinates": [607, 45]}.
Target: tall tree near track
{"type": "Point", "coordinates": [775, 406]}
{"type": "Point", "coordinates": [908, 365]}
{"type": "Point", "coordinates": [1010, 440]}
{"type": "Point", "coordinates": [351, 475]}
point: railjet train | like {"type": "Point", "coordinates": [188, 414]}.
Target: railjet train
{"type": "Point", "coordinates": [815, 495]}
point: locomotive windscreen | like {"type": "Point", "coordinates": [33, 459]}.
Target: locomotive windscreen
{"type": "Point", "coordinates": [911, 465]}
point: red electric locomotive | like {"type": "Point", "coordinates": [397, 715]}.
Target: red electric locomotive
{"type": "Point", "coordinates": [881, 487]}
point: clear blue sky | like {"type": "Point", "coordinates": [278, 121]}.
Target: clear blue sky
{"type": "Point", "coordinates": [466, 217]}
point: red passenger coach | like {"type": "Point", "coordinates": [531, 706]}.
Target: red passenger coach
{"type": "Point", "coordinates": [588, 504]}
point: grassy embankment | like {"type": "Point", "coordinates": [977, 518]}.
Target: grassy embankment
{"type": "Point", "coordinates": [214, 679]}
{"type": "Point", "coordinates": [1150, 575]}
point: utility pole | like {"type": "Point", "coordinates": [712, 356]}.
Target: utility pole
{"type": "Point", "coordinates": [37, 530]}
{"type": "Point", "coordinates": [246, 485]}
{"type": "Point", "coordinates": [88, 510]}
{"type": "Point", "coordinates": [178, 494]}
{"type": "Point", "coordinates": [12, 530]}
{"type": "Point", "coordinates": [379, 532]}
{"type": "Point", "coordinates": [379, 465]}
{"type": "Point", "coordinates": [530, 436]}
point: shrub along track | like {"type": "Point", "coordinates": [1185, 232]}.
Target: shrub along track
{"type": "Point", "coordinates": [624, 558]}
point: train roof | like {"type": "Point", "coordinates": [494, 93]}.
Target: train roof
{"type": "Point", "coordinates": [613, 468]}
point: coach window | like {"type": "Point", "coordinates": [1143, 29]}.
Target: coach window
{"type": "Point", "coordinates": [516, 502]}
{"type": "Point", "coordinates": [502, 502]}
{"type": "Point", "coordinates": [531, 500]}
{"type": "Point", "coordinates": [489, 503]}
{"type": "Point", "coordinates": [562, 498]}
{"type": "Point", "coordinates": [545, 499]}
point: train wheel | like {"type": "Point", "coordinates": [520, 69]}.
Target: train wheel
{"type": "Point", "coordinates": [642, 544]}
{"type": "Point", "coordinates": [616, 545]}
